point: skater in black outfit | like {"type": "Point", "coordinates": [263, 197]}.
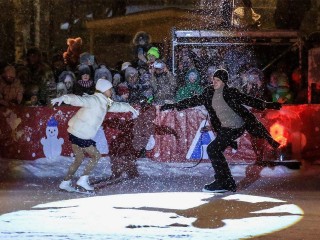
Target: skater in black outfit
{"type": "Point", "coordinates": [229, 119]}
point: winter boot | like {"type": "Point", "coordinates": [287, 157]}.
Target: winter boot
{"type": "Point", "coordinates": [66, 186]}
{"type": "Point", "coordinates": [84, 183]}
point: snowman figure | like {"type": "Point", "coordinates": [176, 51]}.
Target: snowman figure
{"type": "Point", "coordinates": [52, 146]}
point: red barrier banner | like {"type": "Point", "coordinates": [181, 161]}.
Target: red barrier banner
{"type": "Point", "coordinates": [29, 133]}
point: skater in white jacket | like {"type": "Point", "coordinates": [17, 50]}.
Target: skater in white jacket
{"type": "Point", "coordinates": [84, 125]}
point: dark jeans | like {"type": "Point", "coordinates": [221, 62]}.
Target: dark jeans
{"type": "Point", "coordinates": [216, 148]}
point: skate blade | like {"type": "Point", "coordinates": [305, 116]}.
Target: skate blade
{"type": "Point", "coordinates": [80, 189]}
{"type": "Point", "coordinates": [215, 191]}
{"type": "Point", "coordinates": [109, 182]}
{"type": "Point", "coordinates": [77, 191]}
{"type": "Point", "coordinates": [99, 180]}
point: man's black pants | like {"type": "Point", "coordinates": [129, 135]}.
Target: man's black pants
{"type": "Point", "coordinates": [215, 150]}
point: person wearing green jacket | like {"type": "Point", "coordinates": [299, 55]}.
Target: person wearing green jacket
{"type": "Point", "coordinates": [192, 86]}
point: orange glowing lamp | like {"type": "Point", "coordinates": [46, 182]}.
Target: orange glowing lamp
{"type": "Point", "coordinates": [277, 132]}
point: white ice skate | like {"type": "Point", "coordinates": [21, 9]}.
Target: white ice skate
{"type": "Point", "coordinates": [84, 183]}
{"type": "Point", "coordinates": [66, 186]}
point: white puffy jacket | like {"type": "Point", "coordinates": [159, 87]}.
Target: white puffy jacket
{"type": "Point", "coordinates": [86, 122]}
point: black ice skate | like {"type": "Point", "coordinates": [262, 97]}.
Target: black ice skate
{"type": "Point", "coordinates": [107, 181]}
{"type": "Point", "coordinates": [220, 187]}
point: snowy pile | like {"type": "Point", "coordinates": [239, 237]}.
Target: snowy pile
{"type": "Point", "coordinates": [44, 168]}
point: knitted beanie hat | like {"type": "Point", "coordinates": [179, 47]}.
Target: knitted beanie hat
{"type": "Point", "coordinates": [222, 74]}
{"type": "Point", "coordinates": [103, 85]}
{"type": "Point", "coordinates": [84, 69]}
{"type": "Point", "coordinates": [102, 72]}
{"type": "Point", "coordinates": [154, 51]}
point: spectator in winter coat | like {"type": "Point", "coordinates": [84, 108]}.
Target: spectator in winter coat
{"type": "Point", "coordinates": [142, 70]}
{"type": "Point", "coordinates": [132, 80]}
{"type": "Point", "coordinates": [229, 119]}
{"type": "Point", "coordinates": [84, 125]}
{"type": "Point", "coordinates": [124, 67]}
{"type": "Point", "coordinates": [272, 85]}
{"type": "Point", "coordinates": [57, 66]}
{"type": "Point", "coordinates": [202, 61]}
{"type": "Point", "coordinates": [142, 43]}
{"type": "Point", "coordinates": [11, 90]}
{"type": "Point", "coordinates": [185, 62]}
{"type": "Point", "coordinates": [163, 83]}
{"type": "Point", "coordinates": [49, 87]}
{"type": "Point", "coordinates": [152, 55]}
{"type": "Point", "coordinates": [31, 96]}
{"type": "Point", "coordinates": [278, 88]}
{"type": "Point", "coordinates": [31, 90]}
{"type": "Point", "coordinates": [116, 77]}
{"type": "Point", "coordinates": [85, 84]}
{"type": "Point", "coordinates": [253, 83]}
{"type": "Point", "coordinates": [122, 91]}
{"type": "Point", "coordinates": [145, 84]}
{"type": "Point", "coordinates": [102, 72]}
{"type": "Point", "coordinates": [283, 93]}
{"type": "Point", "coordinates": [66, 83]}
{"type": "Point", "coordinates": [192, 86]}
{"type": "Point", "coordinates": [41, 75]}
{"type": "Point", "coordinates": [89, 60]}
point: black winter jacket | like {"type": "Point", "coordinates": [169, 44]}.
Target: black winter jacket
{"type": "Point", "coordinates": [236, 101]}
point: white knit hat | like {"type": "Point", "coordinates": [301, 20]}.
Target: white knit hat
{"type": "Point", "coordinates": [103, 85]}
{"type": "Point", "coordinates": [125, 65]}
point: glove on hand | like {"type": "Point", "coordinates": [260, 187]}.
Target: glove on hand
{"type": "Point", "coordinates": [273, 105]}
{"type": "Point", "coordinates": [167, 107]}
{"type": "Point", "coordinates": [58, 100]}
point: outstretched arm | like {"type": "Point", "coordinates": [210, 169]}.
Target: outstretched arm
{"type": "Point", "coordinates": [123, 107]}
{"type": "Point", "coordinates": [194, 101]}
{"type": "Point", "coordinates": [255, 102]}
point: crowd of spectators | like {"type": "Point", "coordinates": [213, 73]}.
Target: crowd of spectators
{"type": "Point", "coordinates": [33, 81]}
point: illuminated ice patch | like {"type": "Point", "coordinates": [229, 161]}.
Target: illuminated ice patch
{"type": "Point", "coordinates": [173, 215]}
